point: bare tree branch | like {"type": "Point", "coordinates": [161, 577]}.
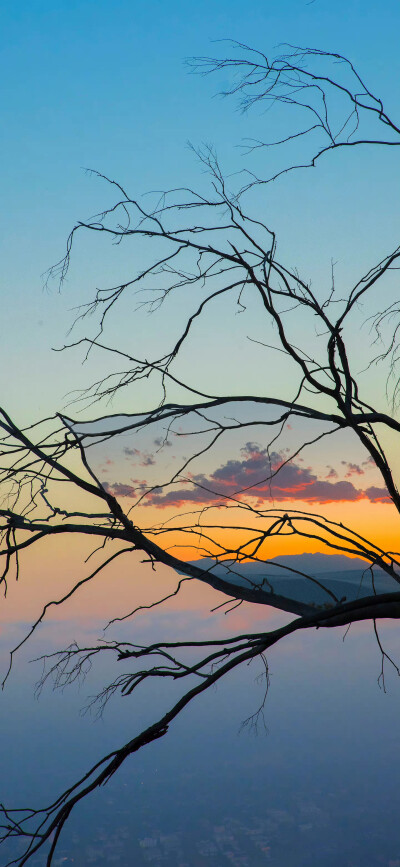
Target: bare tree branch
{"type": "Point", "coordinates": [208, 250]}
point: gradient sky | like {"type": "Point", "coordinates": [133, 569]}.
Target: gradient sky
{"type": "Point", "coordinates": [103, 85]}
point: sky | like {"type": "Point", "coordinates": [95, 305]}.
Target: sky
{"type": "Point", "coordinates": [105, 87]}
{"type": "Point", "coordinates": [95, 85]}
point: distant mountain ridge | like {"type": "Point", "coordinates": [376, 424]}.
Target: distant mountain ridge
{"type": "Point", "coordinates": [346, 578]}
{"type": "Point", "coordinates": [314, 564]}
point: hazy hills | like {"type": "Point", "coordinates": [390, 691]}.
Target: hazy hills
{"type": "Point", "coordinates": [347, 578]}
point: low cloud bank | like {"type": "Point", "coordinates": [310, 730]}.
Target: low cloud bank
{"type": "Point", "coordinates": [260, 476]}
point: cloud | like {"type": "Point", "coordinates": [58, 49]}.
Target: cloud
{"type": "Point", "coordinates": [369, 462]}
{"type": "Point", "coordinates": [146, 460]}
{"type": "Point", "coordinates": [118, 489]}
{"type": "Point", "coordinates": [159, 442]}
{"type": "Point", "coordinates": [332, 473]}
{"type": "Point", "coordinates": [258, 475]}
{"type": "Point", "coordinates": [353, 469]}
{"type": "Point", "coordinates": [377, 495]}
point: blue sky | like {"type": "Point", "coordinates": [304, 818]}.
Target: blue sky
{"type": "Point", "coordinates": [103, 85]}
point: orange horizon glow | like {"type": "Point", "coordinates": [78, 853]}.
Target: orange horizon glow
{"type": "Point", "coordinates": [53, 565]}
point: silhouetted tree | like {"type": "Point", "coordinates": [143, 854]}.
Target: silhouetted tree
{"type": "Point", "coordinates": [209, 251]}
